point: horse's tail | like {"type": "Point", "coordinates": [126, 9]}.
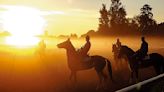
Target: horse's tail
{"type": "Point", "coordinates": [109, 69]}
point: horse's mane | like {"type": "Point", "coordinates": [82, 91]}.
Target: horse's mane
{"type": "Point", "coordinates": [73, 48]}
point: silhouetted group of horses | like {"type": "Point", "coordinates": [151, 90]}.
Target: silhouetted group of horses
{"type": "Point", "coordinates": [98, 62]}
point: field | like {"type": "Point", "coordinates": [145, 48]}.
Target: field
{"type": "Point", "coordinates": [22, 70]}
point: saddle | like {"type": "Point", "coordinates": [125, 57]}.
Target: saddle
{"type": "Point", "coordinates": [147, 57]}
{"type": "Point", "coordinates": [82, 58]}
{"type": "Point", "coordinates": [144, 59]}
{"type": "Point", "coordinates": [87, 58]}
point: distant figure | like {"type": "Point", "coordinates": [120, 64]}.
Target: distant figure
{"type": "Point", "coordinates": [84, 50]}
{"type": "Point", "coordinates": [118, 44]}
{"type": "Point", "coordinates": [41, 48]}
{"type": "Point", "coordinates": [118, 61]}
{"type": "Point", "coordinates": [142, 52]}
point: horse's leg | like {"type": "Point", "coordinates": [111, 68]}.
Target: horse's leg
{"type": "Point", "coordinates": [100, 76]}
{"type": "Point", "coordinates": [75, 77]}
{"type": "Point", "coordinates": [131, 77]}
{"type": "Point", "coordinates": [131, 73]}
{"type": "Point", "coordinates": [104, 79]}
{"type": "Point", "coordinates": [70, 77]}
{"type": "Point", "coordinates": [116, 62]}
{"type": "Point", "coordinates": [136, 73]}
{"type": "Point", "coordinates": [104, 76]}
{"type": "Point", "coordinates": [157, 69]}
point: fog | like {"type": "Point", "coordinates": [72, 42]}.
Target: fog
{"type": "Point", "coordinates": [22, 70]}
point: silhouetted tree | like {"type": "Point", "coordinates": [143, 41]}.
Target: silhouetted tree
{"type": "Point", "coordinates": [133, 25]}
{"type": "Point", "coordinates": [117, 13]}
{"type": "Point", "coordinates": [103, 20]}
{"type": "Point", "coordinates": [114, 21]}
{"type": "Point", "coordinates": [146, 22]}
{"type": "Point", "coordinates": [160, 31]}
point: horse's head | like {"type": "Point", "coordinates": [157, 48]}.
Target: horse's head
{"type": "Point", "coordinates": [124, 50]}
{"type": "Point", "coordinates": [66, 44]}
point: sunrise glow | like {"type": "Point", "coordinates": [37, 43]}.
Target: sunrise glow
{"type": "Point", "coordinates": [22, 41]}
{"type": "Point", "coordinates": [23, 23]}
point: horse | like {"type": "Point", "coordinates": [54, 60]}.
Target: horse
{"type": "Point", "coordinates": [156, 60]}
{"type": "Point", "coordinates": [115, 52]}
{"type": "Point", "coordinates": [117, 60]}
{"type": "Point", "coordinates": [75, 64]}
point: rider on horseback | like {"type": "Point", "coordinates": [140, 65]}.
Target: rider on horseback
{"type": "Point", "coordinates": [84, 50]}
{"type": "Point", "coordinates": [118, 44]}
{"type": "Point", "coordinates": [142, 52]}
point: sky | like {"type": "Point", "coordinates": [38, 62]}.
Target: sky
{"type": "Point", "coordinates": [79, 16]}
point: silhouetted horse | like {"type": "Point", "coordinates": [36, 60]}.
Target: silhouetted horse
{"type": "Point", "coordinates": [156, 60]}
{"type": "Point", "coordinates": [115, 52]}
{"type": "Point", "coordinates": [117, 60]}
{"type": "Point", "coordinates": [76, 64]}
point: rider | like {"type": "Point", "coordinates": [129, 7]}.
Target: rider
{"type": "Point", "coordinates": [85, 48]}
{"type": "Point", "coordinates": [142, 52]}
{"type": "Point", "coordinates": [118, 43]}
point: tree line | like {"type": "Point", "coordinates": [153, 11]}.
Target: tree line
{"type": "Point", "coordinates": [114, 21]}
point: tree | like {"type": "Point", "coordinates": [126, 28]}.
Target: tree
{"type": "Point", "coordinates": [103, 20]}
{"type": "Point", "coordinates": [133, 25]}
{"type": "Point", "coordinates": [104, 15]}
{"type": "Point", "coordinates": [117, 13]}
{"type": "Point", "coordinates": [146, 22]}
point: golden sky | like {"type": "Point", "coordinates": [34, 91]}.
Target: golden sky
{"type": "Point", "coordinates": [78, 16]}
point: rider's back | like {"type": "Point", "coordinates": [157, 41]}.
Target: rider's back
{"type": "Point", "coordinates": [85, 49]}
{"type": "Point", "coordinates": [144, 47]}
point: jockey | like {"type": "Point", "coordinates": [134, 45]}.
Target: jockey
{"type": "Point", "coordinates": [142, 52]}
{"type": "Point", "coordinates": [84, 50]}
{"type": "Point", "coordinates": [86, 47]}
{"type": "Point", "coordinates": [118, 43]}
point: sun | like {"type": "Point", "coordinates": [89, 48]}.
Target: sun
{"type": "Point", "coordinates": [23, 23]}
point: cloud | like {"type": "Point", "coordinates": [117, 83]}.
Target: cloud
{"type": "Point", "coordinates": [82, 13]}
{"type": "Point", "coordinates": [52, 12]}
{"type": "Point", "coordinates": [28, 9]}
